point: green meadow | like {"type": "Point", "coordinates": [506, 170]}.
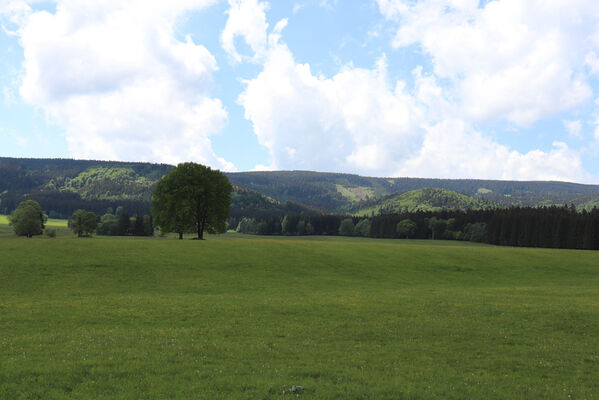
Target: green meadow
{"type": "Point", "coordinates": [245, 317]}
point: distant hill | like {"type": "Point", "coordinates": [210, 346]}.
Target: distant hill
{"type": "Point", "coordinates": [63, 185]}
{"type": "Point", "coordinates": [342, 192]}
{"type": "Point", "coordinates": [427, 199]}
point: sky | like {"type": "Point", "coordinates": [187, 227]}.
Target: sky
{"type": "Point", "coordinates": [501, 89]}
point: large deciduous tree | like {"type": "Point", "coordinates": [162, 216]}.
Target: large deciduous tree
{"type": "Point", "coordinates": [192, 198]}
{"type": "Point", "coordinates": [28, 219]}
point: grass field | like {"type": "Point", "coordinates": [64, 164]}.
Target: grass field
{"type": "Point", "coordinates": [242, 317]}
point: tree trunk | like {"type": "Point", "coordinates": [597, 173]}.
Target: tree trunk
{"type": "Point", "coordinates": [180, 235]}
{"type": "Point", "coordinates": [200, 219]}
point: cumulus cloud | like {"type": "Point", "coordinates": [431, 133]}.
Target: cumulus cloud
{"type": "Point", "coordinates": [247, 19]}
{"type": "Point", "coordinates": [353, 121]}
{"type": "Point", "coordinates": [513, 59]}
{"type": "Point", "coordinates": [115, 78]}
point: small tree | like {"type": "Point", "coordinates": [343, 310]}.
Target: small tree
{"type": "Point", "coordinates": [83, 222]}
{"type": "Point", "coordinates": [28, 219]}
{"type": "Point", "coordinates": [406, 228]}
{"type": "Point", "coordinates": [347, 227]}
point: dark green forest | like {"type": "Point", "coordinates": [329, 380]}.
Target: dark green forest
{"type": "Point", "coordinates": [62, 186]}
{"type": "Point", "coordinates": [547, 227]}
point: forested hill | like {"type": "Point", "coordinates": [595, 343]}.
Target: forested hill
{"type": "Point", "coordinates": [341, 192]}
{"type": "Point", "coordinates": [428, 199]}
{"type": "Point", "coordinates": [63, 185]}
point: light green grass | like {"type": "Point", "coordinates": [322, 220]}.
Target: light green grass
{"type": "Point", "coordinates": [50, 223]}
{"type": "Point", "coordinates": [56, 223]}
{"type": "Point", "coordinates": [242, 317]}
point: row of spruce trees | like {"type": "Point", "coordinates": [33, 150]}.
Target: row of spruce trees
{"type": "Point", "coordinates": [550, 227]}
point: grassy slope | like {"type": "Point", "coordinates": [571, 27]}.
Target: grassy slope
{"type": "Point", "coordinates": [245, 317]}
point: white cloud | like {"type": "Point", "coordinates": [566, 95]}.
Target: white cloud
{"type": "Point", "coordinates": [247, 19]}
{"type": "Point", "coordinates": [359, 121]}
{"type": "Point", "coordinates": [115, 78]}
{"type": "Point", "coordinates": [261, 167]}
{"type": "Point", "coordinates": [15, 12]}
{"type": "Point", "coordinates": [513, 59]}
{"type": "Point", "coordinates": [452, 148]}
{"type": "Point", "coordinates": [574, 128]}
{"type": "Point", "coordinates": [353, 121]}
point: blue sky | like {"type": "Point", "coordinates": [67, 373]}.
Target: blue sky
{"type": "Point", "coordinates": [504, 89]}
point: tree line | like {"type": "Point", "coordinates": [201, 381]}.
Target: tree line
{"type": "Point", "coordinates": [195, 198]}
{"type": "Point", "coordinates": [549, 227]}
{"type": "Point", "coordinates": [62, 204]}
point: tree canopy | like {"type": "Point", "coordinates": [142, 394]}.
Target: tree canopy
{"type": "Point", "coordinates": [28, 219]}
{"type": "Point", "coordinates": [192, 198]}
{"type": "Point", "coordinates": [83, 222]}
{"type": "Point", "coordinates": [406, 228]}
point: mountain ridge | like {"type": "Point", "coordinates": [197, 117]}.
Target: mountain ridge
{"type": "Point", "coordinates": [63, 184]}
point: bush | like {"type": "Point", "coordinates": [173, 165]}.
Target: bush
{"type": "Point", "coordinates": [51, 233]}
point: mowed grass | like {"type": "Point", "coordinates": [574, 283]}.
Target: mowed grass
{"type": "Point", "coordinates": [242, 317]}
